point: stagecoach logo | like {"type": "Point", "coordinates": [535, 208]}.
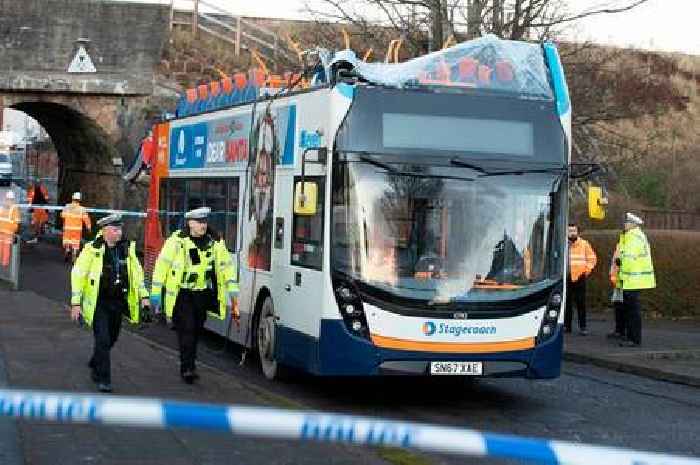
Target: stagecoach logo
{"type": "Point", "coordinates": [428, 328]}
{"type": "Point", "coordinates": [457, 329]}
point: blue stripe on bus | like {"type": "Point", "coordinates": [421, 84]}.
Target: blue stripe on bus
{"type": "Point", "coordinates": [561, 92]}
{"type": "Point", "coordinates": [346, 90]}
{"type": "Point", "coordinates": [187, 415]}
{"type": "Point", "coordinates": [289, 143]}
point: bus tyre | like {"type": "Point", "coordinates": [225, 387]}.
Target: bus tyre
{"type": "Point", "coordinates": [266, 332]}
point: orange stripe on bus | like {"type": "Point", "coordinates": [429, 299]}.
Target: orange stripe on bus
{"type": "Point", "coordinates": [453, 347]}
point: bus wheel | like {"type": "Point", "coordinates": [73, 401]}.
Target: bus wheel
{"type": "Point", "coordinates": [266, 332]}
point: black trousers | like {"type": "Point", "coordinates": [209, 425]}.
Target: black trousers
{"type": "Point", "coordinates": [189, 314]}
{"type": "Point", "coordinates": [632, 315]}
{"type": "Point", "coordinates": [620, 323]}
{"type": "Point", "coordinates": [575, 293]}
{"type": "Point", "coordinates": [106, 325]}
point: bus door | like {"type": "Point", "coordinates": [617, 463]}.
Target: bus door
{"type": "Point", "coordinates": [301, 264]}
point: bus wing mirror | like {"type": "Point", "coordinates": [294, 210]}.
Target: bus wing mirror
{"type": "Point", "coordinates": [596, 202]}
{"type": "Point", "coordinates": [305, 198]}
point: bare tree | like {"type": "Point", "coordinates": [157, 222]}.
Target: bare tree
{"type": "Point", "coordinates": [427, 24]}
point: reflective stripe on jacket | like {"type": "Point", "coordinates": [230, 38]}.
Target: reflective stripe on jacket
{"type": "Point", "coordinates": [85, 280]}
{"type": "Point", "coordinates": [637, 268]}
{"type": "Point", "coordinates": [582, 259]}
{"type": "Point", "coordinates": [174, 266]}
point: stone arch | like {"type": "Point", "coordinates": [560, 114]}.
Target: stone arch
{"type": "Point", "coordinates": [87, 151]}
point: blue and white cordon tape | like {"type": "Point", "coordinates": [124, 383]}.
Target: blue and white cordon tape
{"type": "Point", "coordinates": [299, 425]}
{"type": "Point", "coordinates": [29, 206]}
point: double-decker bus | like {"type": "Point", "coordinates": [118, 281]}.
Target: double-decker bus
{"type": "Point", "coordinates": [391, 219]}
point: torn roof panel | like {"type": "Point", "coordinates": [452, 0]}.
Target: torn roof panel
{"type": "Point", "coordinates": [487, 63]}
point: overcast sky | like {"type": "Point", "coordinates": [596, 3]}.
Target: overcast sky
{"type": "Point", "coordinates": [668, 25]}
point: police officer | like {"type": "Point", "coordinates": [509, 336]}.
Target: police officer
{"type": "Point", "coordinates": [636, 271]}
{"type": "Point", "coordinates": [107, 284]}
{"type": "Point", "coordinates": [199, 276]}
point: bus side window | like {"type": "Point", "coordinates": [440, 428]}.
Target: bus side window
{"type": "Point", "coordinates": [307, 231]}
{"type": "Point", "coordinates": [232, 203]}
{"type": "Point", "coordinates": [176, 204]}
{"type": "Point", "coordinates": [163, 207]}
{"type": "Point", "coordinates": [215, 193]}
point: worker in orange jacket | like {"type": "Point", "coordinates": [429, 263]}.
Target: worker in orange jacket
{"type": "Point", "coordinates": [10, 218]}
{"type": "Point", "coordinates": [582, 261]}
{"type": "Point", "coordinates": [74, 217]}
{"type": "Point", "coordinates": [38, 195]}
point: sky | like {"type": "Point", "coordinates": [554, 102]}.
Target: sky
{"type": "Point", "coordinates": [663, 25]}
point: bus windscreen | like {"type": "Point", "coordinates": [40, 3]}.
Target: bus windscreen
{"type": "Point", "coordinates": [420, 131]}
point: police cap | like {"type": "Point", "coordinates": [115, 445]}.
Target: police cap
{"type": "Point", "coordinates": [114, 219]}
{"type": "Point", "coordinates": [198, 213]}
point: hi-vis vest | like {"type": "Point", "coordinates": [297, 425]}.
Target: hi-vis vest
{"type": "Point", "coordinates": [10, 218]}
{"type": "Point", "coordinates": [582, 259]}
{"type": "Point", "coordinates": [637, 269]}
{"type": "Point", "coordinates": [175, 270]}
{"type": "Point", "coordinates": [74, 215]}
{"type": "Point", "coordinates": [85, 280]}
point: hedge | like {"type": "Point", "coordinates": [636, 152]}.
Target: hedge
{"type": "Point", "coordinates": [676, 256]}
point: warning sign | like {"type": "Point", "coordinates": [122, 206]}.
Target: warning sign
{"type": "Point", "coordinates": [81, 62]}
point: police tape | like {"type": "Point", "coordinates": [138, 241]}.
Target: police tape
{"type": "Point", "coordinates": [28, 206]}
{"type": "Point", "coordinates": [318, 426]}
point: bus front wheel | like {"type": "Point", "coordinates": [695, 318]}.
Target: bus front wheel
{"type": "Point", "coordinates": [266, 341]}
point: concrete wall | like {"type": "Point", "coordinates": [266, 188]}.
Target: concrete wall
{"type": "Point", "coordinates": [38, 42]}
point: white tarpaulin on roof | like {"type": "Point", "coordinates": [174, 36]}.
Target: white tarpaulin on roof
{"type": "Point", "coordinates": [487, 62]}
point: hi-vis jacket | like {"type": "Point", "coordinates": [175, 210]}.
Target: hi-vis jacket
{"type": "Point", "coordinates": [582, 259]}
{"type": "Point", "coordinates": [176, 269]}
{"type": "Point", "coordinates": [74, 216]}
{"type": "Point", "coordinates": [85, 280]}
{"type": "Point", "coordinates": [636, 268]}
{"type": "Point", "coordinates": [10, 218]}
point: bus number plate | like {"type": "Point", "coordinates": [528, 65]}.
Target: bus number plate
{"type": "Point", "coordinates": [457, 368]}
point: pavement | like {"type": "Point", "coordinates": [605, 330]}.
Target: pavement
{"type": "Point", "coordinates": [41, 349]}
{"type": "Point", "coordinates": [670, 350]}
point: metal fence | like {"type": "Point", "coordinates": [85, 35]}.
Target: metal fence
{"type": "Point", "coordinates": [671, 219]}
{"type": "Point", "coordinates": [9, 260]}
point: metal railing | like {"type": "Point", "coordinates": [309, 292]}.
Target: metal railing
{"type": "Point", "coordinates": [242, 34]}
{"type": "Point", "coordinates": [10, 263]}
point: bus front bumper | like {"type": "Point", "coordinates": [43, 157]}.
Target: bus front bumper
{"type": "Point", "coordinates": [339, 353]}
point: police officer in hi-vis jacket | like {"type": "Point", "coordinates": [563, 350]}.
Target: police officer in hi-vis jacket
{"type": "Point", "coordinates": [107, 285]}
{"type": "Point", "coordinates": [195, 274]}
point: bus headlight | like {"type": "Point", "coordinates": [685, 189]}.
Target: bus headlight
{"type": "Point", "coordinates": [345, 293]}
{"type": "Point", "coordinates": [550, 318]}
{"type": "Point", "coordinates": [555, 300]}
{"type": "Point", "coordinates": [351, 309]}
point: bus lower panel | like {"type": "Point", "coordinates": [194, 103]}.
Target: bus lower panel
{"type": "Point", "coordinates": [339, 353]}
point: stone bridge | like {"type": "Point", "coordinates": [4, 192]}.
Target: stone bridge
{"type": "Point", "coordinates": [85, 70]}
